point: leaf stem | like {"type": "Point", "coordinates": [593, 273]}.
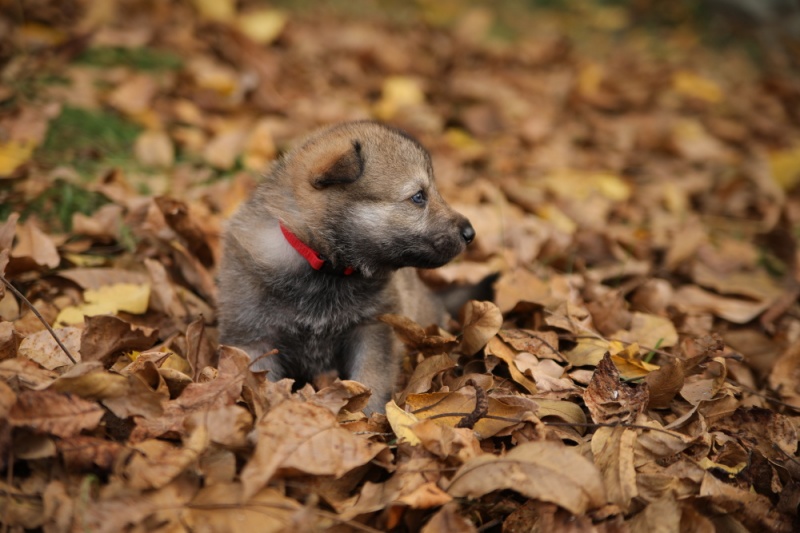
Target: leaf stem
{"type": "Point", "coordinates": [39, 316]}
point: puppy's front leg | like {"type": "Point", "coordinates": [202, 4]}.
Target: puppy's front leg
{"type": "Point", "coordinates": [373, 357]}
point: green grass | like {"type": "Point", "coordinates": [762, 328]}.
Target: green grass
{"type": "Point", "coordinates": [57, 204]}
{"type": "Point", "coordinates": [137, 58]}
{"type": "Point", "coordinates": [88, 140]}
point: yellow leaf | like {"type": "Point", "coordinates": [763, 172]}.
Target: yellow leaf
{"type": "Point", "coordinates": [695, 86]}
{"type": "Point", "coordinates": [589, 79]}
{"type": "Point", "coordinates": [262, 26]}
{"type": "Point", "coordinates": [557, 217]}
{"type": "Point", "coordinates": [708, 464]}
{"type": "Point", "coordinates": [785, 167]}
{"type": "Point", "coordinates": [13, 154]}
{"type": "Point", "coordinates": [587, 352]}
{"type": "Point", "coordinates": [398, 92]}
{"type": "Point", "coordinates": [401, 422]}
{"type": "Point", "coordinates": [222, 10]}
{"type": "Point", "coordinates": [108, 299]}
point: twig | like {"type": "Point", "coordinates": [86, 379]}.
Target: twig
{"type": "Point", "coordinates": [39, 316]}
{"type": "Point", "coordinates": [481, 407]}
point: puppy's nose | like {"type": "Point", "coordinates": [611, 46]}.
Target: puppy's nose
{"type": "Point", "coordinates": [467, 232]}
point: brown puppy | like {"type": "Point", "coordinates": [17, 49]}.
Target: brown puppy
{"type": "Point", "coordinates": [321, 249]}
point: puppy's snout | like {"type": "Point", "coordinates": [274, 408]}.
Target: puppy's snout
{"type": "Point", "coordinates": [467, 232]}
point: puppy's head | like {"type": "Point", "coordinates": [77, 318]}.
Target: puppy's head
{"type": "Point", "coordinates": [363, 195]}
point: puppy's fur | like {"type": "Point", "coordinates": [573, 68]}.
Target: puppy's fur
{"type": "Point", "coordinates": [361, 195]}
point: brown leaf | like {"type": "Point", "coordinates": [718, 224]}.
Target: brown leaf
{"type": "Point", "coordinates": [83, 452]}
{"type": "Point", "coordinates": [482, 321]}
{"type": "Point", "coordinates": [610, 400]}
{"type": "Point", "coordinates": [215, 508]}
{"type": "Point", "coordinates": [9, 340]}
{"type": "Point", "coordinates": [754, 510]}
{"type": "Point", "coordinates": [24, 373]}
{"type": "Point", "coordinates": [199, 350]}
{"type": "Point", "coordinates": [152, 464]}
{"type": "Point", "coordinates": [612, 449]}
{"type": "Point", "coordinates": [448, 519]}
{"type": "Point", "coordinates": [426, 371]}
{"type": "Point", "coordinates": [227, 426]}
{"type": "Point", "coordinates": [450, 407]}
{"type": "Point", "coordinates": [42, 348]}
{"type": "Point", "coordinates": [416, 337]}
{"type": "Point", "coordinates": [542, 344]}
{"type": "Point", "coordinates": [105, 336]}
{"type": "Point", "coordinates": [222, 391]}
{"type": "Point", "coordinates": [773, 434]}
{"type": "Point", "coordinates": [664, 384]}
{"type": "Point", "coordinates": [318, 446]}
{"type": "Point", "coordinates": [63, 415]}
{"type": "Point", "coordinates": [544, 470]}
{"type": "Point", "coordinates": [501, 350]}
{"type": "Point", "coordinates": [349, 396]}
{"type": "Point", "coordinates": [32, 242]}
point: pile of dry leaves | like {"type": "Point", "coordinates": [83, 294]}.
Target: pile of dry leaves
{"type": "Point", "coordinates": [638, 370]}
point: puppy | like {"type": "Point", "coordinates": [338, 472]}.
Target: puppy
{"type": "Point", "coordinates": [324, 246]}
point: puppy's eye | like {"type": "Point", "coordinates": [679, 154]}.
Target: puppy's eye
{"type": "Point", "coordinates": [419, 198]}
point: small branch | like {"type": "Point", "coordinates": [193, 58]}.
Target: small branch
{"type": "Point", "coordinates": [39, 316]}
{"type": "Point", "coordinates": [481, 407]}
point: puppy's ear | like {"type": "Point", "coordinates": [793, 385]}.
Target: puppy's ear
{"type": "Point", "coordinates": [339, 168]}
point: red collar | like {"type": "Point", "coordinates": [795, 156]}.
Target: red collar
{"type": "Point", "coordinates": [316, 261]}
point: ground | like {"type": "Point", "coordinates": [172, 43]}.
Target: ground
{"type": "Point", "coordinates": [631, 170]}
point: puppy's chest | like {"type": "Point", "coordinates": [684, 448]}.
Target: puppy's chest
{"type": "Point", "coordinates": [322, 305]}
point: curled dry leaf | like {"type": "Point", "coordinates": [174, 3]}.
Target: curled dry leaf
{"type": "Point", "coordinates": [426, 371]}
{"type": "Point", "coordinates": [664, 384]}
{"type": "Point", "coordinates": [482, 321]}
{"type": "Point", "coordinates": [544, 470]}
{"type": "Point", "coordinates": [610, 400]}
{"type": "Point", "coordinates": [152, 464]}
{"type": "Point", "coordinates": [501, 350]}
{"type": "Point", "coordinates": [60, 414]}
{"type": "Point", "coordinates": [33, 243]}
{"type": "Point", "coordinates": [318, 446]}
{"type": "Point", "coordinates": [401, 422]}
{"type": "Point", "coordinates": [350, 396]}
{"type": "Point", "coordinates": [418, 338]}
{"type": "Point", "coordinates": [105, 336]}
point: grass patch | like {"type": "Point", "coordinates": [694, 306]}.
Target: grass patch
{"type": "Point", "coordinates": [56, 205]}
{"type": "Point", "coordinates": [88, 140]}
{"type": "Point", "coordinates": [137, 58]}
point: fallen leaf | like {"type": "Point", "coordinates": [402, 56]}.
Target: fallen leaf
{"type": "Point", "coordinates": [63, 415]}
{"type": "Point", "coordinates": [609, 400]}
{"type": "Point", "coordinates": [613, 451]}
{"type": "Point", "coordinates": [402, 422]}
{"type": "Point", "coordinates": [42, 348]}
{"type": "Point", "coordinates": [482, 321]}
{"type": "Point", "coordinates": [108, 300]}
{"type": "Point", "coordinates": [105, 336]}
{"type": "Point", "coordinates": [499, 349]}
{"type": "Point", "coordinates": [262, 25]}
{"type": "Point", "coordinates": [544, 470]}
{"type": "Point", "coordinates": [319, 446]}
{"type": "Point", "coordinates": [32, 242]}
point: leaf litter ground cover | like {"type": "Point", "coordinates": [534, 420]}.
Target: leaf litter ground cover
{"type": "Point", "coordinates": [638, 370]}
